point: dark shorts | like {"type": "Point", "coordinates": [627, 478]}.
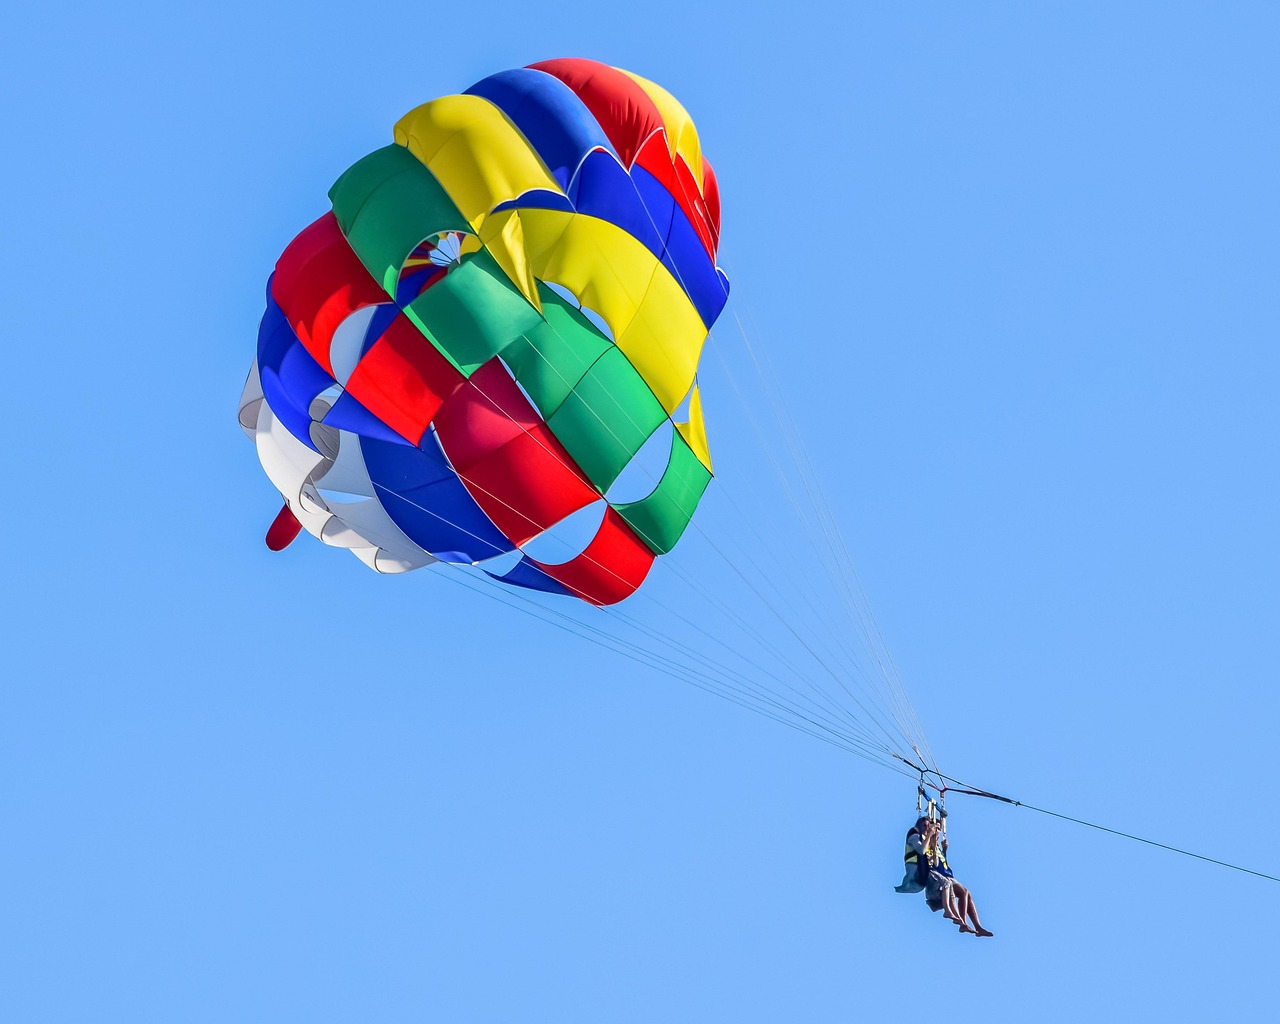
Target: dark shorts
{"type": "Point", "coordinates": [937, 891]}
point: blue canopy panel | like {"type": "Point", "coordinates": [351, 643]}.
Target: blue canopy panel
{"type": "Point", "coordinates": [640, 205]}
{"type": "Point", "coordinates": [349, 414]}
{"type": "Point", "coordinates": [526, 574]}
{"type": "Point", "coordinates": [685, 255]}
{"type": "Point", "coordinates": [549, 115]}
{"type": "Point", "coordinates": [424, 497]}
{"type": "Point", "coordinates": [602, 188]}
{"type": "Point", "coordinates": [383, 314]}
{"type": "Point", "coordinates": [537, 199]}
{"type": "Point", "coordinates": [290, 377]}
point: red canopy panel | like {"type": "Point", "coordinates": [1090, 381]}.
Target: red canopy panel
{"type": "Point", "coordinates": [678, 180]}
{"type": "Point", "coordinates": [404, 379]}
{"type": "Point", "coordinates": [490, 411]}
{"type": "Point", "coordinates": [695, 207]}
{"type": "Point", "coordinates": [711, 196]}
{"type": "Point", "coordinates": [620, 106]}
{"type": "Point", "coordinates": [611, 567]}
{"type": "Point", "coordinates": [318, 283]}
{"type": "Point", "coordinates": [511, 463]}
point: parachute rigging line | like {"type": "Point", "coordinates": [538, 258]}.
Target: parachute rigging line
{"type": "Point", "coordinates": [856, 604]}
{"type": "Point", "coordinates": [522, 603]}
{"type": "Point", "coordinates": [816, 517]}
{"type": "Point", "coordinates": [666, 641]}
{"type": "Point", "coordinates": [716, 678]}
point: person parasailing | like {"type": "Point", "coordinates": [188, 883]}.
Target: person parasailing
{"type": "Point", "coordinates": [916, 857]}
{"type": "Point", "coordinates": [927, 870]}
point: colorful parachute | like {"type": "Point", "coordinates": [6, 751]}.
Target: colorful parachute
{"type": "Point", "coordinates": [501, 310]}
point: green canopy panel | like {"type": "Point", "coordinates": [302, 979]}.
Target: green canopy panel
{"type": "Point", "coordinates": [474, 313]}
{"type": "Point", "coordinates": [386, 204]}
{"type": "Point", "coordinates": [660, 517]}
{"type": "Point", "coordinates": [606, 418]}
{"type": "Point", "coordinates": [550, 359]}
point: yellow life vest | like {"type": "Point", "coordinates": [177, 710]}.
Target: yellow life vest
{"type": "Point", "coordinates": [912, 859]}
{"type": "Point", "coordinates": [911, 856]}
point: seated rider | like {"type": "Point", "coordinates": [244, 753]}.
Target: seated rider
{"type": "Point", "coordinates": [925, 860]}
{"type": "Point", "coordinates": [916, 857]}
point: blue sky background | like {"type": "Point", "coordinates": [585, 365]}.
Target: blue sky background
{"type": "Point", "coordinates": [1017, 268]}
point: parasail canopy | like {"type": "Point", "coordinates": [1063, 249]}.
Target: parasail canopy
{"type": "Point", "coordinates": [503, 307]}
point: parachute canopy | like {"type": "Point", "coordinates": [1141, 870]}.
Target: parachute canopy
{"type": "Point", "coordinates": [468, 352]}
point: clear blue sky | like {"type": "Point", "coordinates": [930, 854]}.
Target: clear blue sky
{"type": "Point", "coordinates": [1017, 265]}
